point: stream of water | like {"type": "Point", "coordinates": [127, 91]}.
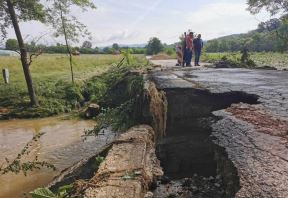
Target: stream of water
{"type": "Point", "coordinates": [62, 145]}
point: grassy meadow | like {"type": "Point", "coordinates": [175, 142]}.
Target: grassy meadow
{"type": "Point", "coordinates": [272, 59]}
{"type": "Point", "coordinates": [52, 81]}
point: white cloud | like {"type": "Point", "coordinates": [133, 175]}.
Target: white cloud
{"type": "Point", "coordinates": [223, 18]}
{"type": "Point", "coordinates": [137, 21]}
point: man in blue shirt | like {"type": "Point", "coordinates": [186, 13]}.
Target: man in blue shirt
{"type": "Point", "coordinates": [198, 45]}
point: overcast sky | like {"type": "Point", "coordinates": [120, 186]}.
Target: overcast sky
{"type": "Point", "coordinates": [135, 21]}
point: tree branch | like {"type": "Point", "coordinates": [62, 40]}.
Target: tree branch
{"type": "Point", "coordinates": [34, 55]}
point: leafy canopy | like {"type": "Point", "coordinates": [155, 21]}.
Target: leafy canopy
{"type": "Point", "coordinates": [25, 11]}
{"type": "Point", "coordinates": [11, 44]}
{"type": "Point", "coordinates": [154, 46]}
{"type": "Point", "coordinates": [46, 12]}
{"type": "Point", "coordinates": [272, 6]}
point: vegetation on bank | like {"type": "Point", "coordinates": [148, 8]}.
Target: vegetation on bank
{"type": "Point", "coordinates": [52, 83]}
{"type": "Point", "coordinates": [261, 59]}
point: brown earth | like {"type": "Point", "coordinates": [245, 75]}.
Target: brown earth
{"type": "Point", "coordinates": [129, 168]}
{"type": "Point", "coordinates": [161, 57]}
{"type": "Point", "coordinates": [260, 119]}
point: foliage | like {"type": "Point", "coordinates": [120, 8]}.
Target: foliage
{"type": "Point", "coordinates": [245, 58]}
{"type": "Point", "coordinates": [115, 46]}
{"type": "Point", "coordinates": [12, 44]}
{"type": "Point", "coordinates": [118, 96]}
{"type": "Point", "coordinates": [87, 44]}
{"type": "Point", "coordinates": [271, 59]}
{"type": "Point", "coordinates": [119, 118]}
{"type": "Point", "coordinates": [154, 46]}
{"type": "Point", "coordinates": [83, 49]}
{"type": "Point", "coordinates": [62, 192]}
{"type": "Point", "coordinates": [271, 6]}
{"type": "Point", "coordinates": [127, 55]}
{"type": "Point", "coordinates": [25, 11]}
{"type": "Point", "coordinates": [59, 16]}
{"type": "Point", "coordinates": [98, 161]}
{"type": "Point", "coordinates": [169, 51]}
{"type": "Point", "coordinates": [17, 166]}
{"type": "Point", "coordinates": [270, 36]}
{"type": "Point", "coordinates": [274, 7]}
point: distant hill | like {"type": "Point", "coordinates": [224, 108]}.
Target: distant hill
{"type": "Point", "coordinates": [264, 38]}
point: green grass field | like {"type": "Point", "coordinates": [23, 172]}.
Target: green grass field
{"type": "Point", "coordinates": [277, 60]}
{"type": "Point", "coordinates": [56, 67]}
{"type": "Point", "coordinates": [52, 81]}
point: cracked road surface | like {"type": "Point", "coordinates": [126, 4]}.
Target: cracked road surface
{"type": "Point", "coordinates": [255, 137]}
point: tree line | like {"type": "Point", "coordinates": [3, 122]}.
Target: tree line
{"type": "Point", "coordinates": [58, 48]}
{"type": "Point", "coordinates": [271, 35]}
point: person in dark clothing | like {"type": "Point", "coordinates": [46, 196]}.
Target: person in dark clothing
{"type": "Point", "coordinates": [189, 49]}
{"type": "Point", "coordinates": [198, 45]}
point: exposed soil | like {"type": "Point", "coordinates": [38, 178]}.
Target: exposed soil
{"type": "Point", "coordinates": [161, 57]}
{"type": "Point", "coordinates": [260, 119]}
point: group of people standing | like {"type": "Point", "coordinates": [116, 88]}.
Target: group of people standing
{"type": "Point", "coordinates": [185, 51]}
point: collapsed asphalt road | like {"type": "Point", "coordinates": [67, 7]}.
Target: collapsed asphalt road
{"type": "Point", "coordinates": [251, 136]}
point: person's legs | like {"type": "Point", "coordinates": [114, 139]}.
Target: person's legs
{"type": "Point", "coordinates": [196, 57]}
{"type": "Point", "coordinates": [185, 57]}
{"type": "Point", "coordinates": [199, 54]}
{"type": "Point", "coordinates": [188, 57]}
{"type": "Point", "coordinates": [191, 57]}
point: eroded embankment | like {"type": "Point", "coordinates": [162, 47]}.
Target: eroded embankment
{"type": "Point", "coordinates": [202, 155]}
{"type": "Point", "coordinates": [193, 165]}
{"type": "Point", "coordinates": [129, 168]}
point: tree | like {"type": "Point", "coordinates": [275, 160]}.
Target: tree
{"type": "Point", "coordinates": [67, 25]}
{"type": "Point", "coordinates": [271, 6]}
{"type": "Point", "coordinates": [12, 44]}
{"type": "Point", "coordinates": [115, 46]}
{"type": "Point", "coordinates": [87, 44]}
{"type": "Point", "coordinates": [279, 27]}
{"type": "Point", "coordinates": [212, 46]}
{"type": "Point", "coordinates": [13, 12]}
{"type": "Point", "coordinates": [107, 50]}
{"type": "Point", "coordinates": [282, 34]}
{"type": "Point", "coordinates": [154, 46]}
{"type": "Point", "coordinates": [272, 24]}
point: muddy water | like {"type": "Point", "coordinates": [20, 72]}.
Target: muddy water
{"type": "Point", "coordinates": [61, 145]}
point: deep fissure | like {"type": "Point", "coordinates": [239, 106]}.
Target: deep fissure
{"type": "Point", "coordinates": [187, 149]}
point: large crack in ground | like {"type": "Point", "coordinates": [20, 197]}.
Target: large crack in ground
{"type": "Point", "coordinates": [193, 165]}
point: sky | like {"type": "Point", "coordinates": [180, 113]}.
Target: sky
{"type": "Point", "coordinates": [136, 21]}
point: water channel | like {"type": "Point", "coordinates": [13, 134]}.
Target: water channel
{"type": "Point", "coordinates": [62, 145]}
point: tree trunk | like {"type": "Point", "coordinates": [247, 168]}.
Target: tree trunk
{"type": "Point", "coordinates": [23, 54]}
{"type": "Point", "coordinates": [66, 41]}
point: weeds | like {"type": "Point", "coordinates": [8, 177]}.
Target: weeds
{"type": "Point", "coordinates": [16, 166]}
